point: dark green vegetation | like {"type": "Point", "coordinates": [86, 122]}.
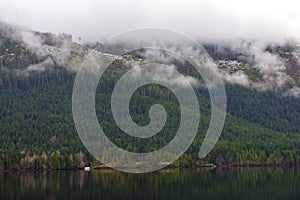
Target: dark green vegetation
{"type": "Point", "coordinates": [37, 129]}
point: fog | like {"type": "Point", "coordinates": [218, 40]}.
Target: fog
{"type": "Point", "coordinates": [228, 22]}
{"type": "Point", "coordinates": [205, 20]}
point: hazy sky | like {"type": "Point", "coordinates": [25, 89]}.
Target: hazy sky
{"type": "Point", "coordinates": [201, 19]}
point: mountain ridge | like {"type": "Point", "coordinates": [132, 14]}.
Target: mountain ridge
{"type": "Point", "coordinates": [36, 124]}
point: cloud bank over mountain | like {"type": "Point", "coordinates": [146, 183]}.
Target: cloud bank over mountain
{"type": "Point", "coordinates": [203, 19]}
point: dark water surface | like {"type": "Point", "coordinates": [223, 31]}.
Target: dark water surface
{"type": "Point", "coordinates": [241, 183]}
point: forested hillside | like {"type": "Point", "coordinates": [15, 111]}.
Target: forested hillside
{"type": "Point", "coordinates": [37, 129]}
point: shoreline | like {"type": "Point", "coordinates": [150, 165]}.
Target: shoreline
{"type": "Point", "coordinates": [208, 166]}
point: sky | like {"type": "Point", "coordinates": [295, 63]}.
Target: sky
{"type": "Point", "coordinates": [205, 20]}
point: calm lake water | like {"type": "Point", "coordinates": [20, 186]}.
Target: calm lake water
{"type": "Point", "coordinates": [242, 183]}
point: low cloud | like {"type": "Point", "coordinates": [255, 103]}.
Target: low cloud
{"type": "Point", "coordinates": [269, 65]}
{"type": "Point", "coordinates": [295, 91]}
{"type": "Point", "coordinates": [40, 66]}
{"type": "Point", "coordinates": [165, 74]}
{"type": "Point", "coordinates": [205, 20]}
{"type": "Point", "coordinates": [236, 78]}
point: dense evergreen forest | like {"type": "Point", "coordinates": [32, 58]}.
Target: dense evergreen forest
{"type": "Point", "coordinates": [37, 129]}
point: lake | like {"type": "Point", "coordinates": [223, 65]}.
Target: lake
{"type": "Point", "coordinates": [237, 183]}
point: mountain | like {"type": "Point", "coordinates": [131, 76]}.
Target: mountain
{"type": "Point", "coordinates": [37, 73]}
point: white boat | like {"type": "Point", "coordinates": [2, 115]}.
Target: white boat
{"type": "Point", "coordinates": [87, 169]}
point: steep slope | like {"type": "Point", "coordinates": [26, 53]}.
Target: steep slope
{"type": "Point", "coordinates": [36, 124]}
